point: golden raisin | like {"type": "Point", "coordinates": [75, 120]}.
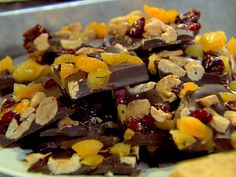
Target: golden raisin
{"type": "Point", "coordinates": [22, 91]}
{"type": "Point", "coordinates": [232, 46]}
{"type": "Point", "coordinates": [6, 64]}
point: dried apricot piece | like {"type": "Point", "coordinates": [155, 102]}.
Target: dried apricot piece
{"type": "Point", "coordinates": [20, 107]}
{"type": "Point", "coordinates": [98, 78]}
{"type": "Point", "coordinates": [67, 69]}
{"type": "Point", "coordinates": [27, 71]}
{"type": "Point", "coordinates": [193, 126]}
{"type": "Point", "coordinates": [6, 64]}
{"type": "Point", "coordinates": [120, 149]}
{"type": "Point", "coordinates": [88, 64]}
{"type": "Point", "coordinates": [119, 58]}
{"type": "Point", "coordinates": [232, 46]}
{"type": "Point", "coordinates": [100, 28]}
{"type": "Point", "coordinates": [167, 16]}
{"type": "Point", "coordinates": [87, 148]}
{"type": "Point", "coordinates": [65, 58]}
{"type": "Point", "coordinates": [22, 91]}
{"type": "Point", "coordinates": [213, 40]}
{"type": "Point", "coordinates": [93, 161]}
{"type": "Point", "coordinates": [188, 87]}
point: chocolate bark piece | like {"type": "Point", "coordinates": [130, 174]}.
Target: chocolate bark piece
{"type": "Point", "coordinates": [121, 75]}
{"type": "Point", "coordinates": [62, 112]}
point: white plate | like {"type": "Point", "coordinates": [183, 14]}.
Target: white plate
{"type": "Point", "coordinates": [11, 164]}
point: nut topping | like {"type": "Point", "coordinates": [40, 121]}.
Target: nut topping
{"type": "Point", "coordinates": [46, 110]}
{"type": "Point", "coordinates": [159, 115]}
{"type": "Point", "coordinates": [141, 88]}
{"type": "Point", "coordinates": [138, 108]}
{"type": "Point", "coordinates": [41, 42]}
{"type": "Point", "coordinates": [167, 66]}
{"type": "Point", "coordinates": [37, 98]}
{"type": "Point", "coordinates": [208, 101]}
{"type": "Point", "coordinates": [194, 70]}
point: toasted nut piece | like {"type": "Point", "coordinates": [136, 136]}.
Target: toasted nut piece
{"type": "Point", "coordinates": [37, 98]}
{"type": "Point", "coordinates": [153, 28]}
{"type": "Point", "coordinates": [135, 151]}
{"type": "Point", "coordinates": [233, 139]}
{"type": "Point", "coordinates": [64, 166]}
{"type": "Point", "coordinates": [73, 88]}
{"type": "Point", "coordinates": [46, 110]}
{"type": "Point", "coordinates": [138, 108]}
{"type": "Point", "coordinates": [208, 100]}
{"type": "Point", "coordinates": [118, 26]}
{"type": "Point", "coordinates": [67, 122]}
{"type": "Point", "coordinates": [169, 34]}
{"type": "Point", "coordinates": [159, 115]}
{"type": "Point", "coordinates": [167, 53]}
{"type": "Point", "coordinates": [231, 115]}
{"type": "Point", "coordinates": [128, 160]}
{"type": "Point", "coordinates": [88, 50]}
{"type": "Point", "coordinates": [69, 29]}
{"type": "Point", "coordinates": [166, 125]}
{"type": "Point", "coordinates": [41, 42]}
{"type": "Point", "coordinates": [165, 86]}
{"type": "Point", "coordinates": [70, 44]}
{"type": "Point", "coordinates": [26, 113]}
{"type": "Point", "coordinates": [141, 88]}
{"type": "Point", "coordinates": [218, 122]}
{"type": "Point", "coordinates": [34, 157]}
{"type": "Point", "coordinates": [167, 66]}
{"type": "Point", "coordinates": [194, 70]}
{"type": "Point", "coordinates": [184, 112]}
{"type": "Point", "coordinates": [181, 61]}
{"type": "Point", "coordinates": [15, 131]}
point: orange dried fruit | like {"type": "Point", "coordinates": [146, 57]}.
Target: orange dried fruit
{"type": "Point", "coordinates": [119, 58]}
{"type": "Point", "coordinates": [65, 58]}
{"type": "Point", "coordinates": [20, 107]}
{"type": "Point", "coordinates": [100, 28]}
{"type": "Point", "coordinates": [93, 161]}
{"type": "Point", "coordinates": [232, 46]}
{"type": "Point", "coordinates": [213, 40]}
{"type": "Point", "coordinates": [88, 64]}
{"type": "Point", "coordinates": [120, 149]}
{"type": "Point", "coordinates": [129, 133]}
{"type": "Point", "coordinates": [6, 64]}
{"type": "Point", "coordinates": [66, 70]}
{"type": "Point", "coordinates": [22, 91]}
{"type": "Point", "coordinates": [193, 126]}
{"type": "Point", "coordinates": [45, 70]}
{"type": "Point", "coordinates": [188, 87]}
{"type": "Point", "coordinates": [98, 78]}
{"type": "Point", "coordinates": [27, 71]}
{"type": "Point", "coordinates": [87, 148]}
{"type": "Point", "coordinates": [167, 16]}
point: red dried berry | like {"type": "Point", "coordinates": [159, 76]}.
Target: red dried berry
{"type": "Point", "coordinates": [148, 123]}
{"type": "Point", "coordinates": [68, 51]}
{"type": "Point", "coordinates": [135, 125]}
{"type": "Point", "coordinates": [49, 84]}
{"type": "Point", "coordinates": [8, 103]}
{"type": "Point", "coordinates": [137, 29]}
{"type": "Point", "coordinates": [120, 96]}
{"type": "Point", "coordinates": [192, 15]}
{"type": "Point", "coordinates": [212, 63]}
{"type": "Point", "coordinates": [231, 105]}
{"type": "Point", "coordinates": [202, 115]}
{"type": "Point", "coordinates": [163, 106]}
{"type": "Point", "coordinates": [8, 116]}
{"type": "Point", "coordinates": [192, 26]}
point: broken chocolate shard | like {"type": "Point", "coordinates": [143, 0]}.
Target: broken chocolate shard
{"type": "Point", "coordinates": [121, 75]}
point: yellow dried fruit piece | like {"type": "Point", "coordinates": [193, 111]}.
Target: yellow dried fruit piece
{"type": "Point", "coordinates": [226, 96]}
{"type": "Point", "coordinates": [188, 87]}
{"type": "Point", "coordinates": [213, 40]}
{"type": "Point", "coordinates": [129, 133]}
{"type": "Point", "coordinates": [232, 46]}
{"type": "Point", "coordinates": [22, 91]}
{"type": "Point", "coordinates": [20, 107]}
{"type": "Point", "coordinates": [27, 71]}
{"type": "Point", "coordinates": [151, 64]}
{"type": "Point", "coordinates": [182, 140]}
{"type": "Point", "coordinates": [119, 58]}
{"type": "Point", "coordinates": [194, 50]}
{"type": "Point", "coordinates": [98, 79]}
{"type": "Point", "coordinates": [167, 16]}
{"type": "Point", "coordinates": [87, 148]}
{"type": "Point", "coordinates": [193, 126]}
{"type": "Point", "coordinates": [88, 64]}
{"type": "Point", "coordinates": [120, 149]}
{"type": "Point", "coordinates": [232, 85]}
{"type": "Point", "coordinates": [65, 58]}
{"type": "Point", "coordinates": [6, 64]}
{"type": "Point", "coordinates": [166, 125]}
{"type": "Point", "coordinates": [100, 28]}
{"type": "Point", "coordinates": [65, 71]}
{"type": "Point", "coordinates": [233, 139]}
{"type": "Point", "coordinates": [45, 70]}
{"type": "Point", "coordinates": [226, 61]}
{"type": "Point", "coordinates": [132, 19]}
{"type": "Point", "coordinates": [93, 161]}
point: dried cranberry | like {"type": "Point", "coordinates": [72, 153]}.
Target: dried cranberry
{"type": "Point", "coordinates": [120, 96]}
{"type": "Point", "coordinates": [49, 84]}
{"type": "Point", "coordinates": [8, 116]}
{"type": "Point", "coordinates": [8, 103]}
{"type": "Point", "coordinates": [135, 125]}
{"type": "Point", "coordinates": [163, 106]}
{"type": "Point", "coordinates": [192, 26]}
{"type": "Point", "coordinates": [2, 129]}
{"type": "Point", "coordinates": [31, 35]}
{"type": "Point", "coordinates": [212, 63]}
{"type": "Point", "coordinates": [192, 15]}
{"type": "Point", "coordinates": [68, 51]}
{"type": "Point", "coordinates": [202, 115]}
{"type": "Point", "coordinates": [148, 123]}
{"type": "Point", "coordinates": [137, 29]}
{"type": "Point", "coordinates": [231, 105]}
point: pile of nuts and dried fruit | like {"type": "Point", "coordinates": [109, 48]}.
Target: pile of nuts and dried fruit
{"type": "Point", "coordinates": [101, 99]}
